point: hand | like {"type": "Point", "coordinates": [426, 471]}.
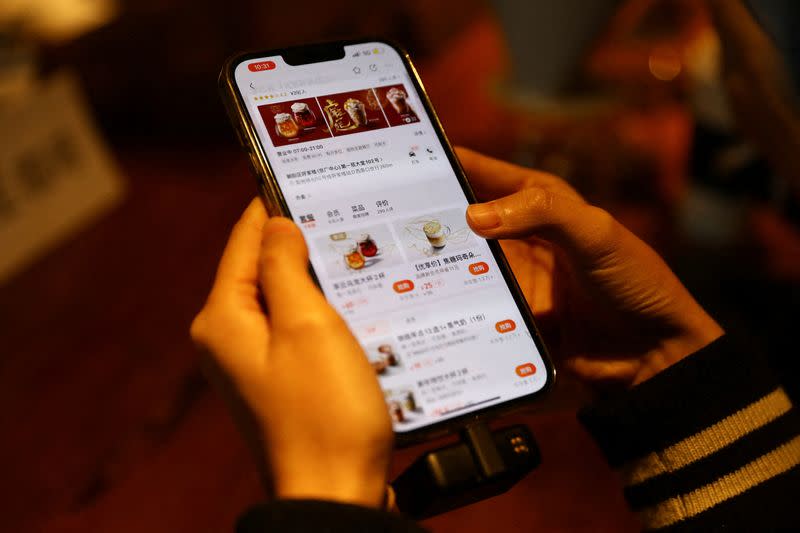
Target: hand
{"type": "Point", "coordinates": [622, 315]}
{"type": "Point", "coordinates": [305, 393]}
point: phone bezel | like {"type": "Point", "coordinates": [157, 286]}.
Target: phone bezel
{"type": "Point", "coordinates": [276, 205]}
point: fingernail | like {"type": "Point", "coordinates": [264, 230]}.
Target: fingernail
{"type": "Point", "coordinates": [483, 216]}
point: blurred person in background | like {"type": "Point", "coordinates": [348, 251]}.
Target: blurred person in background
{"type": "Point", "coordinates": [761, 88]}
{"type": "Point", "coordinates": [751, 162]}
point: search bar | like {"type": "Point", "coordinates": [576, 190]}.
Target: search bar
{"type": "Point", "coordinates": [297, 83]}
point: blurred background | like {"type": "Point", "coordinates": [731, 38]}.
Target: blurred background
{"type": "Point", "coordinates": [120, 178]}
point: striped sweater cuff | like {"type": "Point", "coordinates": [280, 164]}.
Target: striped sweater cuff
{"type": "Point", "coordinates": [708, 442]}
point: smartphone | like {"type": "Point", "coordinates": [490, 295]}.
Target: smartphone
{"type": "Point", "coordinates": [343, 139]}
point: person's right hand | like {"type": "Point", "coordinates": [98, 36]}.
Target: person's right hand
{"type": "Point", "coordinates": [621, 314]}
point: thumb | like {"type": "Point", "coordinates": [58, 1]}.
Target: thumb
{"type": "Point", "coordinates": [586, 232]}
{"type": "Point", "coordinates": [289, 291]}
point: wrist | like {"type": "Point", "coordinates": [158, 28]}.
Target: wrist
{"type": "Point", "coordinates": [674, 349]}
{"type": "Point", "coordinates": [368, 490]}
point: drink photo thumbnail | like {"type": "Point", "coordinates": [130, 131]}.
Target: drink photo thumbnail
{"type": "Point", "coordinates": [384, 358]}
{"type": "Point", "coordinates": [435, 234]}
{"type": "Point", "coordinates": [294, 121]}
{"type": "Point", "coordinates": [402, 404]}
{"type": "Point", "coordinates": [353, 112]}
{"type": "Point", "coordinates": [395, 102]}
{"type": "Point", "coordinates": [364, 250]}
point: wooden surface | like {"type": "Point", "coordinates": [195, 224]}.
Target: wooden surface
{"type": "Point", "coordinates": [107, 424]}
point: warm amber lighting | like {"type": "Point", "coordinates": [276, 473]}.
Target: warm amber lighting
{"type": "Point", "coordinates": [58, 20]}
{"type": "Point", "coordinates": [664, 63]}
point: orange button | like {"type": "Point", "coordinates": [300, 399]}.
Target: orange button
{"type": "Point", "coordinates": [402, 286]}
{"type": "Point", "coordinates": [526, 370]}
{"type": "Point", "coordinates": [476, 269]}
{"type": "Point", "coordinates": [261, 65]}
{"type": "Point", "coordinates": [505, 326]}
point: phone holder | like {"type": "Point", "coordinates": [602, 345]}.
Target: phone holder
{"type": "Point", "coordinates": [484, 463]}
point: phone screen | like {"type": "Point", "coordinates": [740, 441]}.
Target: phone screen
{"type": "Point", "coordinates": [365, 176]}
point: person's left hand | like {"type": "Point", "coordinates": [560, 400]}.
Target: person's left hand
{"type": "Point", "coordinates": [297, 378]}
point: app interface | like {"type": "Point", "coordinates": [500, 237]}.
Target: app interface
{"type": "Point", "coordinates": [367, 180]}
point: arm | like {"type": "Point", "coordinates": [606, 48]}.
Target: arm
{"type": "Point", "coordinates": [701, 431]}
{"type": "Point", "coordinates": [711, 442]}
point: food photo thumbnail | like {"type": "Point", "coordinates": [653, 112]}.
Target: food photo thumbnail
{"type": "Point", "coordinates": [295, 121]}
{"type": "Point", "coordinates": [435, 234]}
{"type": "Point", "coordinates": [363, 250]}
{"type": "Point", "coordinates": [403, 406]}
{"type": "Point", "coordinates": [353, 112]}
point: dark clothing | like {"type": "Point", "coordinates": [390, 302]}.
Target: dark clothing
{"type": "Point", "coordinates": [322, 517]}
{"type": "Point", "coordinates": [710, 443]}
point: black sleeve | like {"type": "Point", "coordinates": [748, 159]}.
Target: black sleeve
{"type": "Point", "coordinates": [323, 517]}
{"type": "Point", "coordinates": [711, 443]}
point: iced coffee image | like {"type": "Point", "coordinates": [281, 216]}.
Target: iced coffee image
{"type": "Point", "coordinates": [398, 99]}
{"type": "Point", "coordinates": [357, 111]}
{"type": "Point", "coordinates": [397, 105]}
{"type": "Point", "coordinates": [403, 406]}
{"type": "Point", "coordinates": [384, 358]}
{"type": "Point", "coordinates": [353, 112]}
{"type": "Point", "coordinates": [434, 235]}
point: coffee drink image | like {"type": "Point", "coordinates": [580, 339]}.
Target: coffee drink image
{"type": "Point", "coordinates": [379, 366]}
{"type": "Point", "coordinates": [396, 411]}
{"type": "Point", "coordinates": [303, 115]}
{"type": "Point", "coordinates": [357, 111]}
{"type": "Point", "coordinates": [285, 126]}
{"type": "Point", "coordinates": [409, 402]}
{"type": "Point", "coordinates": [436, 233]}
{"type": "Point", "coordinates": [367, 246]}
{"type": "Point", "coordinates": [398, 99]}
{"type": "Point", "coordinates": [353, 258]}
{"type": "Point", "coordinates": [388, 354]}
